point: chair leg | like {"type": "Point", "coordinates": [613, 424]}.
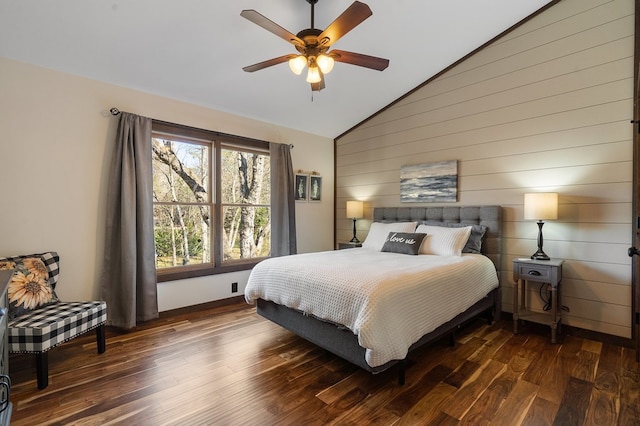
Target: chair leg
{"type": "Point", "coordinates": [101, 339]}
{"type": "Point", "coordinates": [42, 369]}
{"type": "Point", "coordinates": [42, 358]}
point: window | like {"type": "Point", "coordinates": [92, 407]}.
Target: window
{"type": "Point", "coordinates": [211, 195]}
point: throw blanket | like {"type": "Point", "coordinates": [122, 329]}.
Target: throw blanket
{"type": "Point", "coordinates": [388, 300]}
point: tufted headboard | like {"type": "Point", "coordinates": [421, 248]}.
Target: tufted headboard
{"type": "Point", "coordinates": [489, 216]}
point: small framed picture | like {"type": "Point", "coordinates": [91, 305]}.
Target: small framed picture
{"type": "Point", "coordinates": [315, 188]}
{"type": "Point", "coordinates": [301, 189]}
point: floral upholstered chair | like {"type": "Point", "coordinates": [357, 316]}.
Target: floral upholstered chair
{"type": "Point", "coordinates": [38, 320]}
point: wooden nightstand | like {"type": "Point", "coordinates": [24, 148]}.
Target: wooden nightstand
{"type": "Point", "coordinates": [540, 271]}
{"type": "Point", "coordinates": [342, 246]}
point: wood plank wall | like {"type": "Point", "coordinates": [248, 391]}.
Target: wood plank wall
{"type": "Point", "coordinates": [547, 107]}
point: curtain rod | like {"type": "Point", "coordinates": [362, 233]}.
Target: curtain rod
{"type": "Point", "coordinates": [116, 111]}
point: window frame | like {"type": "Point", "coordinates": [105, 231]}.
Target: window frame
{"type": "Point", "coordinates": [217, 141]}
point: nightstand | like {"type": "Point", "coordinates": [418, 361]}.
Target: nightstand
{"type": "Point", "coordinates": [342, 246]}
{"type": "Point", "coordinates": [539, 271]}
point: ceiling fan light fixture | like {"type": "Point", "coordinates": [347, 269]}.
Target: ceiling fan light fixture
{"type": "Point", "coordinates": [297, 64]}
{"type": "Point", "coordinates": [313, 76]}
{"type": "Point", "coordinates": [313, 44]}
{"type": "Point", "coordinates": [325, 63]}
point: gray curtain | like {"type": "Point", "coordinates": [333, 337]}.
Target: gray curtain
{"type": "Point", "coordinates": [129, 276]}
{"type": "Point", "coordinates": [283, 205]}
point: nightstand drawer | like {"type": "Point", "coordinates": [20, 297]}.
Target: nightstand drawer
{"type": "Point", "coordinates": [535, 272]}
{"type": "Point", "coordinates": [540, 271]}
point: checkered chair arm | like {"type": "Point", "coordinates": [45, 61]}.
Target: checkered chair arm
{"type": "Point", "coordinates": [44, 328]}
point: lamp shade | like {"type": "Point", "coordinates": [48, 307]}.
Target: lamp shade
{"type": "Point", "coordinates": [541, 206]}
{"type": "Point", "coordinates": [355, 209]}
{"type": "Point", "coordinates": [325, 63]}
{"type": "Point", "coordinates": [313, 75]}
{"type": "Point", "coordinates": [297, 64]}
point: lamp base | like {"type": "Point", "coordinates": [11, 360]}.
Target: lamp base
{"type": "Point", "coordinates": [540, 255]}
{"type": "Point", "coordinates": [354, 239]}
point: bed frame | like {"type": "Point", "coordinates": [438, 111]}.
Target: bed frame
{"type": "Point", "coordinates": [343, 343]}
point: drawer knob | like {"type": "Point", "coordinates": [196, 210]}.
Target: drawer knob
{"type": "Point", "coordinates": [534, 273]}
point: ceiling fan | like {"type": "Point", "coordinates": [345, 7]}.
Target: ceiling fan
{"type": "Point", "coordinates": [313, 44]}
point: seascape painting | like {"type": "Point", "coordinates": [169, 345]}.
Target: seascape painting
{"type": "Point", "coordinates": [429, 183]}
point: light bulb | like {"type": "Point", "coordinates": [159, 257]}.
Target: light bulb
{"type": "Point", "coordinates": [297, 64]}
{"type": "Point", "coordinates": [313, 76]}
{"type": "Point", "coordinates": [325, 62]}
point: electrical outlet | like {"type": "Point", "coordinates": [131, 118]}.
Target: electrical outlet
{"type": "Point", "coordinates": [234, 287]}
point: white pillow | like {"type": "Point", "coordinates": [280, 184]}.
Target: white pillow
{"type": "Point", "coordinates": [378, 233]}
{"type": "Point", "coordinates": [444, 241]}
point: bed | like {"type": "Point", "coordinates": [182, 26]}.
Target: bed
{"type": "Point", "coordinates": [401, 312]}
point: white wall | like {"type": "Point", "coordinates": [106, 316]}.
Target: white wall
{"type": "Point", "coordinates": [55, 150]}
{"type": "Point", "coordinates": [544, 108]}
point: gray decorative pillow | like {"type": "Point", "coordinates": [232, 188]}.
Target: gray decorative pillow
{"type": "Point", "coordinates": [476, 238]}
{"type": "Point", "coordinates": [403, 242]}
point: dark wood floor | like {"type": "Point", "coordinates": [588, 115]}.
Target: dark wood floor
{"type": "Point", "coordinates": [228, 366]}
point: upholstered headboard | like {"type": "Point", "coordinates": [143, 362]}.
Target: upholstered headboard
{"type": "Point", "coordinates": [489, 216]}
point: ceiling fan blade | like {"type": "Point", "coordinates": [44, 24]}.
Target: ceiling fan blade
{"type": "Point", "coordinates": [268, 63]}
{"type": "Point", "coordinates": [348, 20]}
{"type": "Point", "coordinates": [316, 87]}
{"type": "Point", "coordinates": [359, 59]}
{"type": "Point", "coordinates": [271, 26]}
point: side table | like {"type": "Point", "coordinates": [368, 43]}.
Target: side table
{"type": "Point", "coordinates": [540, 271]}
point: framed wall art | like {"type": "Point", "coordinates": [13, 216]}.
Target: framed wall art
{"type": "Point", "coordinates": [315, 188]}
{"type": "Point", "coordinates": [429, 183]}
{"type": "Point", "coordinates": [301, 189]}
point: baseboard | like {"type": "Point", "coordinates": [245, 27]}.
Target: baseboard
{"type": "Point", "coordinates": [582, 333]}
{"type": "Point", "coordinates": [601, 337]}
{"type": "Point", "coordinates": [236, 300]}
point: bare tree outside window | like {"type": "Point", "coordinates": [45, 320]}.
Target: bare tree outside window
{"type": "Point", "coordinates": [184, 205]}
{"type": "Point", "coordinates": [245, 200]}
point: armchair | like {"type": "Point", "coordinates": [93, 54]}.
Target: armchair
{"type": "Point", "coordinates": [38, 320]}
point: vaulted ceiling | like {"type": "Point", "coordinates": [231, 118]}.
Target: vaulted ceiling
{"type": "Point", "coordinates": [194, 50]}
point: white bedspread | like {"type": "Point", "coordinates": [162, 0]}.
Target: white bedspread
{"type": "Point", "coordinates": [388, 300]}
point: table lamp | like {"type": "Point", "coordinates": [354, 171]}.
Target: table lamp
{"type": "Point", "coordinates": [355, 211]}
{"type": "Point", "coordinates": [540, 206]}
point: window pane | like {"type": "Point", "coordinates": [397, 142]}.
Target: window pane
{"type": "Point", "coordinates": [180, 171]}
{"type": "Point", "coordinates": [245, 177]}
{"type": "Point", "coordinates": [192, 224]}
{"type": "Point", "coordinates": [182, 235]}
{"type": "Point", "coordinates": [247, 232]}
